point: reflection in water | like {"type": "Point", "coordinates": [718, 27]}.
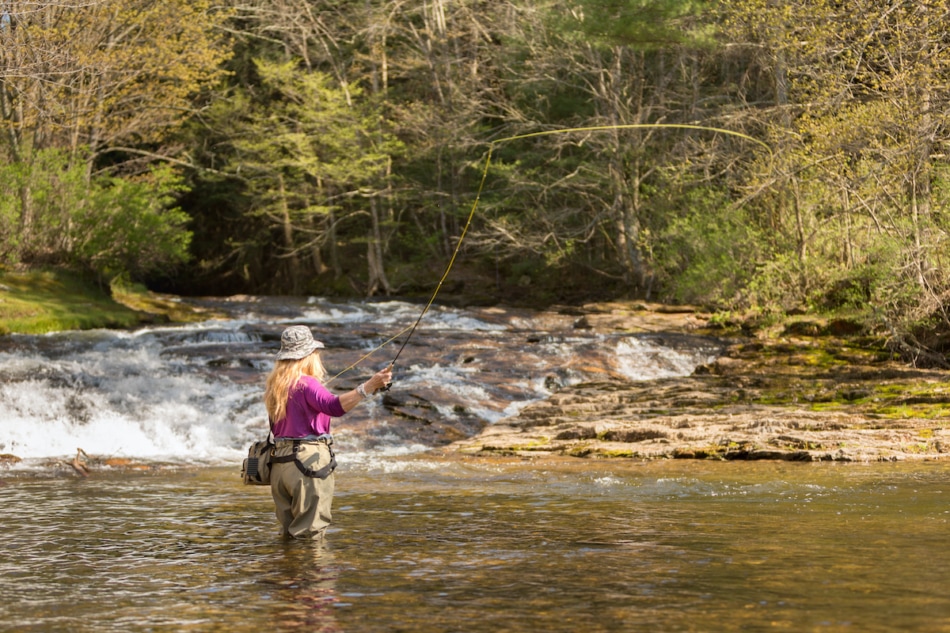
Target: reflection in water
{"type": "Point", "coordinates": [302, 586]}
{"type": "Point", "coordinates": [428, 544]}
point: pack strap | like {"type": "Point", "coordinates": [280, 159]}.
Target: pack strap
{"type": "Point", "coordinates": [321, 473]}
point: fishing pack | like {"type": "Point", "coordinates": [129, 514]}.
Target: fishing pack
{"type": "Point", "coordinates": [256, 468]}
{"type": "Point", "coordinates": [260, 457]}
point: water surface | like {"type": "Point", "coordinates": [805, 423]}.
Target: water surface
{"type": "Point", "coordinates": [424, 543]}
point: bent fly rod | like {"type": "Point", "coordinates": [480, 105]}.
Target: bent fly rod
{"type": "Point", "coordinates": [471, 214]}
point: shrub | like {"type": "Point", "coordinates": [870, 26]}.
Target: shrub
{"type": "Point", "coordinates": [129, 226]}
{"type": "Point", "coordinates": [51, 213]}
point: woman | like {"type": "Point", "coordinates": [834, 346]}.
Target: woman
{"type": "Point", "coordinates": [300, 408]}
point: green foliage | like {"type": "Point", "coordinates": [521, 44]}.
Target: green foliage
{"type": "Point", "coordinates": [130, 226]}
{"type": "Point", "coordinates": [52, 213]}
{"type": "Point", "coordinates": [304, 149]}
{"type": "Point", "coordinates": [644, 24]}
{"type": "Point", "coordinates": [36, 205]}
{"type": "Point", "coordinates": [308, 127]}
{"type": "Point", "coordinates": [709, 254]}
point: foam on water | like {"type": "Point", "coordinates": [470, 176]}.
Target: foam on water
{"type": "Point", "coordinates": [463, 384]}
{"type": "Point", "coordinates": [642, 359]}
{"type": "Point", "coordinates": [193, 393]}
{"type": "Point", "coordinates": [132, 404]}
{"type": "Point", "coordinates": [381, 459]}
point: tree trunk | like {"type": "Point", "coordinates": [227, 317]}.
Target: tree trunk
{"type": "Point", "coordinates": [293, 265]}
{"type": "Point", "coordinates": [374, 256]}
{"type": "Point", "coordinates": [334, 250]}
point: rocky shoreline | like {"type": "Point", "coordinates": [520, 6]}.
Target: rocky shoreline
{"type": "Point", "coordinates": [807, 393]}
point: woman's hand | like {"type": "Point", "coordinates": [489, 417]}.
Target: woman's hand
{"type": "Point", "coordinates": [379, 380]}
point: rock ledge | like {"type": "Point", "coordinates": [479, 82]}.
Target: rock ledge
{"type": "Point", "coordinates": [805, 399]}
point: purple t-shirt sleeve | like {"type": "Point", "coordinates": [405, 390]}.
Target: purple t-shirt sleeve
{"type": "Point", "coordinates": [320, 398]}
{"type": "Point", "coordinates": [309, 410]}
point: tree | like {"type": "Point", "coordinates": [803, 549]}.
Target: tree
{"type": "Point", "coordinates": [862, 159]}
{"type": "Point", "coordinates": [108, 226]}
{"type": "Point", "coordinates": [304, 150]}
{"type": "Point", "coordinates": [101, 83]}
{"type": "Point", "coordinates": [607, 65]}
{"type": "Point", "coordinates": [104, 74]}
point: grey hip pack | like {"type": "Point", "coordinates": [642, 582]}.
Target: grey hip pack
{"type": "Point", "coordinates": [260, 457]}
{"type": "Point", "coordinates": [256, 468]}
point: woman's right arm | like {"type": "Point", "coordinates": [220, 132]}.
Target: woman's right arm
{"type": "Point", "coordinates": [379, 380]}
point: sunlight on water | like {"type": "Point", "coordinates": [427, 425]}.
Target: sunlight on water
{"type": "Point", "coordinates": [423, 543]}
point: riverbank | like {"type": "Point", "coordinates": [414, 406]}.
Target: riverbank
{"type": "Point", "coordinates": [42, 301]}
{"type": "Point", "coordinates": [814, 391]}
{"type": "Point", "coordinates": [806, 388]}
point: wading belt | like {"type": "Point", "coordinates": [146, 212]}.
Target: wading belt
{"type": "Point", "coordinates": [322, 473]}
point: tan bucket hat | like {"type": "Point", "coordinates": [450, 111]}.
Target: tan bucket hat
{"type": "Point", "coordinates": [297, 342]}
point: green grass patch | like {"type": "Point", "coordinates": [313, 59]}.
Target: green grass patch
{"type": "Point", "coordinates": [37, 302]}
{"type": "Point", "coordinates": [911, 400]}
{"type": "Point", "coordinates": [163, 307]}
{"type": "Point", "coordinates": [818, 358]}
{"type": "Point", "coordinates": [919, 411]}
{"type": "Point", "coordinates": [827, 406]}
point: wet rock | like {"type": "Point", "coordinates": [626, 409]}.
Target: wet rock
{"type": "Point", "coordinates": [854, 394]}
{"type": "Point", "coordinates": [634, 435]}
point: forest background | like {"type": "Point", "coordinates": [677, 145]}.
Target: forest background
{"type": "Point", "coordinates": [336, 147]}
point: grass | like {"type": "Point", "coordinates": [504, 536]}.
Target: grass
{"type": "Point", "coordinates": [37, 302]}
{"type": "Point", "coordinates": [159, 306]}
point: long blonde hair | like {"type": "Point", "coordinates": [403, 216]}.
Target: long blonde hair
{"type": "Point", "coordinates": [284, 377]}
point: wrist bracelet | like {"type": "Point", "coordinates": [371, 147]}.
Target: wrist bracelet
{"type": "Point", "coordinates": [362, 391]}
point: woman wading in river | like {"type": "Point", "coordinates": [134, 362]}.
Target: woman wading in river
{"type": "Point", "coordinates": [300, 409]}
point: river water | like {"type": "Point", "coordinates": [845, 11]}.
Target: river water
{"type": "Point", "coordinates": [421, 540]}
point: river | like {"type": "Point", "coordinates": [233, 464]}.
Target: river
{"type": "Point", "coordinates": [424, 541]}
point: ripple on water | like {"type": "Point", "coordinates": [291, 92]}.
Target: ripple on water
{"type": "Point", "coordinates": [514, 545]}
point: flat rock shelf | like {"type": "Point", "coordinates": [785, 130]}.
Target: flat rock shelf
{"type": "Point", "coordinates": [817, 398]}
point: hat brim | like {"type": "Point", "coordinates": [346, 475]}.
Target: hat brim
{"type": "Point", "coordinates": [297, 354]}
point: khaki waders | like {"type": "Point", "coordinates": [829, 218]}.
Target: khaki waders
{"type": "Point", "coordinates": [302, 502]}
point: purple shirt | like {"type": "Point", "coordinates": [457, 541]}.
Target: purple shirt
{"type": "Point", "coordinates": [309, 409]}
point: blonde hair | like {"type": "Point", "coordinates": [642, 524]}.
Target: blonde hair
{"type": "Point", "coordinates": [284, 378]}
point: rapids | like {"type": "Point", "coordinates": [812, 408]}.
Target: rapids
{"type": "Point", "coordinates": [191, 394]}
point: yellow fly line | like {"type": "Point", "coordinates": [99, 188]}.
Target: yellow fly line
{"type": "Point", "coordinates": [634, 126]}
{"type": "Point", "coordinates": [471, 214]}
